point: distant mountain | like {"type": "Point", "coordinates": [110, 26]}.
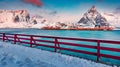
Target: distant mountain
{"type": "Point", "coordinates": [23, 19]}
{"type": "Point", "coordinates": [14, 16]}
{"type": "Point", "coordinates": [92, 18]}
{"type": "Point", "coordinates": [19, 19]}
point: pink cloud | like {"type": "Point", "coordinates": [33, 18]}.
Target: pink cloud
{"type": "Point", "coordinates": [34, 2]}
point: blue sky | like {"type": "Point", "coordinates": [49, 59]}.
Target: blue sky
{"type": "Point", "coordinates": [72, 6]}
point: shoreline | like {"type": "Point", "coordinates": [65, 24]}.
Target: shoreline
{"type": "Point", "coordinates": [80, 29]}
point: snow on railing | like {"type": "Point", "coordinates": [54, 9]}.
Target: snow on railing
{"type": "Point", "coordinates": [35, 39]}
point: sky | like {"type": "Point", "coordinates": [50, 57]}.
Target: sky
{"type": "Point", "coordinates": [68, 8]}
{"type": "Point", "coordinates": [61, 5]}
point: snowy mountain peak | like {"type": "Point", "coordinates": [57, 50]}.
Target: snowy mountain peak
{"type": "Point", "coordinates": [13, 15]}
{"type": "Point", "coordinates": [93, 18]}
{"type": "Point", "coordinates": [93, 10]}
{"type": "Point", "coordinates": [20, 19]}
{"type": "Point", "coordinates": [14, 11]}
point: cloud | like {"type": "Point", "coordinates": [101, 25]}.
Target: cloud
{"type": "Point", "coordinates": [34, 2]}
{"type": "Point", "coordinates": [53, 13]}
{"type": "Point", "coordinates": [109, 14]}
{"type": "Point", "coordinates": [117, 10]}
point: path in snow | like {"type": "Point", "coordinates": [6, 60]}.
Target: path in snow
{"type": "Point", "coordinates": [12, 55]}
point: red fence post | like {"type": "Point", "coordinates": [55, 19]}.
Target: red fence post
{"type": "Point", "coordinates": [31, 39]}
{"type": "Point", "coordinates": [15, 37]}
{"type": "Point", "coordinates": [56, 44]}
{"type": "Point", "coordinates": [3, 37]}
{"type": "Point", "coordinates": [98, 50]}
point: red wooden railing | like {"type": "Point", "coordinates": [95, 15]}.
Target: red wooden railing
{"type": "Point", "coordinates": [34, 39]}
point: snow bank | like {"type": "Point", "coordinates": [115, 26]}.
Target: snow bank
{"type": "Point", "coordinates": [20, 56]}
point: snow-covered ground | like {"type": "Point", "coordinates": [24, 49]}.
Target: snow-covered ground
{"type": "Point", "coordinates": [12, 55]}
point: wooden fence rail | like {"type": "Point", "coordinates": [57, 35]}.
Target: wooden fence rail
{"type": "Point", "coordinates": [34, 39]}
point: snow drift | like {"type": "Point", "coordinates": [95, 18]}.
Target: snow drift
{"type": "Point", "coordinates": [20, 56]}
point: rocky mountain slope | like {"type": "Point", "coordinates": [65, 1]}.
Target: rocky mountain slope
{"type": "Point", "coordinates": [23, 19]}
{"type": "Point", "coordinates": [17, 19]}
{"type": "Point", "coordinates": [92, 18]}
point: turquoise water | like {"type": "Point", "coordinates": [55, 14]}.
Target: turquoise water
{"type": "Point", "coordinates": [107, 35]}
{"type": "Point", "coordinates": [103, 35]}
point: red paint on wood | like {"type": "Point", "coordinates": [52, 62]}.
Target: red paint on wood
{"type": "Point", "coordinates": [15, 37]}
{"type": "Point", "coordinates": [33, 41]}
{"type": "Point", "coordinates": [98, 50]}
{"type": "Point", "coordinates": [3, 37]}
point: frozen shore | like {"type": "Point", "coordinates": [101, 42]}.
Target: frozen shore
{"type": "Point", "coordinates": [12, 55]}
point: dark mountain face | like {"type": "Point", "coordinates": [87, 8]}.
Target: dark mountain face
{"type": "Point", "coordinates": [93, 18]}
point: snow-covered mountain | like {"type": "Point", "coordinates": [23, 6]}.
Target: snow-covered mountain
{"type": "Point", "coordinates": [11, 19]}
{"type": "Point", "coordinates": [92, 18]}
{"type": "Point", "coordinates": [23, 19]}
{"type": "Point", "coordinates": [19, 19]}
